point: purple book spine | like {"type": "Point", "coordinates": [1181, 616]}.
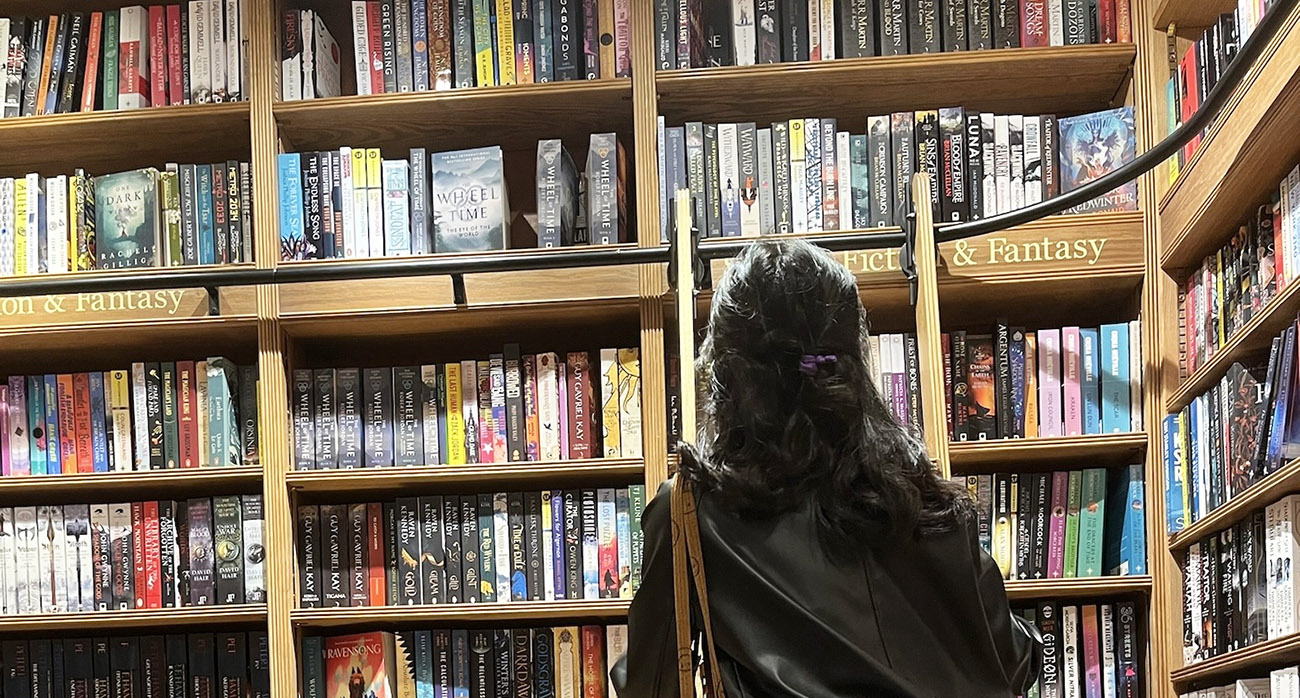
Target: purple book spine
{"type": "Point", "coordinates": [557, 543]}
{"type": "Point", "coordinates": [899, 383]}
{"type": "Point", "coordinates": [16, 427]}
{"type": "Point", "coordinates": [1056, 530]}
{"type": "Point", "coordinates": [590, 40]}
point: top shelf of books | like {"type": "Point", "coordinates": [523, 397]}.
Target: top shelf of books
{"type": "Point", "coordinates": [1190, 13]}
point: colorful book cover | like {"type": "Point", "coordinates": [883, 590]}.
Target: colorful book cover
{"type": "Point", "coordinates": [470, 209]}
{"type": "Point", "coordinates": [1091, 653]}
{"type": "Point", "coordinates": [1092, 517]}
{"type": "Point", "coordinates": [981, 420]}
{"type": "Point", "coordinates": [37, 444]}
{"type": "Point", "coordinates": [623, 542]}
{"type": "Point", "coordinates": [1089, 383]}
{"type": "Point", "coordinates": [360, 666]}
{"type": "Point", "coordinates": [127, 220]}
{"type": "Point", "coordinates": [497, 396]}
{"type": "Point", "coordinates": [470, 416]}
{"type": "Point", "coordinates": [16, 428]}
{"type": "Point", "coordinates": [53, 427]}
{"type": "Point", "coordinates": [1057, 523]}
{"type": "Point", "coordinates": [1016, 359]}
{"type": "Point", "coordinates": [1072, 377]}
{"type": "Point", "coordinates": [532, 422]}
{"type": "Point", "coordinates": [591, 548]}
{"type": "Point", "coordinates": [456, 453]}
{"type": "Point", "coordinates": [1093, 145]}
{"type": "Point", "coordinates": [1074, 496]}
{"type": "Point", "coordinates": [1114, 351]}
{"type": "Point", "coordinates": [1125, 527]}
{"type": "Point", "coordinates": [1175, 472]}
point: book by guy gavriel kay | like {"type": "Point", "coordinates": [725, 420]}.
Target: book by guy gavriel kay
{"type": "Point", "coordinates": [1097, 144]}
{"type": "Point", "coordinates": [126, 219]}
{"type": "Point", "coordinates": [470, 210]}
{"type": "Point", "coordinates": [360, 666]}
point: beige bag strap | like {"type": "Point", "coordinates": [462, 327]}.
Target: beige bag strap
{"type": "Point", "coordinates": [688, 560]}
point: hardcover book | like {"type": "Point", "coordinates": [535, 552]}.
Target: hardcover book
{"type": "Point", "coordinates": [127, 219]}
{"type": "Point", "coordinates": [470, 209]}
{"type": "Point", "coordinates": [1094, 145]}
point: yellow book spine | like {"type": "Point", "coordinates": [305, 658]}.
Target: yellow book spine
{"type": "Point", "coordinates": [119, 402]}
{"type": "Point", "coordinates": [374, 169]}
{"type": "Point", "coordinates": [1031, 385]}
{"type": "Point", "coordinates": [455, 419]}
{"type": "Point", "coordinates": [629, 402]}
{"type": "Point", "coordinates": [1003, 527]}
{"type": "Point", "coordinates": [20, 226]}
{"type": "Point", "coordinates": [359, 167]}
{"type": "Point", "coordinates": [505, 42]}
{"type": "Point", "coordinates": [609, 422]}
{"type": "Point", "coordinates": [74, 215]}
{"type": "Point", "coordinates": [605, 23]}
{"type": "Point", "coordinates": [483, 40]}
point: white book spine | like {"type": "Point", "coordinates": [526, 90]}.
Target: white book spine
{"type": "Point", "coordinates": [8, 564]}
{"type": "Point", "coordinates": [629, 402]}
{"type": "Point", "coordinates": [1033, 170]}
{"type": "Point", "coordinates": [254, 564]}
{"type": "Point", "coordinates": [1292, 205]}
{"type": "Point", "coordinates": [234, 52]}
{"type": "Point", "coordinates": [873, 361]}
{"type": "Point", "coordinates": [615, 646]}
{"type": "Point", "coordinates": [27, 579]}
{"type": "Point", "coordinates": [1107, 640]}
{"type": "Point", "coordinates": [844, 179]}
{"type": "Point", "coordinates": [78, 528]}
{"type": "Point", "coordinates": [45, 557]}
{"type": "Point", "coordinates": [1071, 677]}
{"type": "Point", "coordinates": [139, 419]}
{"type": "Point", "coordinates": [133, 28]}
{"type": "Point", "coordinates": [501, 545]}
{"type": "Point", "coordinates": [1055, 23]}
{"type": "Point", "coordinates": [469, 411]}
{"type": "Point", "coordinates": [56, 223]}
{"type": "Point", "coordinates": [360, 212]}
{"type": "Point", "coordinates": [346, 202]}
{"type": "Point", "coordinates": [361, 52]}
{"type": "Point", "coordinates": [1274, 615]}
{"type": "Point", "coordinates": [743, 27]}
{"type": "Point", "coordinates": [7, 241]}
{"type": "Point", "coordinates": [200, 56]}
{"type": "Point", "coordinates": [611, 448]}
{"type": "Point", "coordinates": [729, 173]}
{"type": "Point", "coordinates": [548, 539]}
{"type": "Point", "coordinates": [798, 177]}
{"type": "Point", "coordinates": [1289, 549]}
{"type": "Point", "coordinates": [4, 53]}
{"type": "Point", "coordinates": [1002, 160]}
{"type": "Point", "coordinates": [661, 136]}
{"type": "Point", "coordinates": [1049, 383]}
{"type": "Point", "coordinates": [828, 29]}
{"type": "Point", "coordinates": [988, 140]}
{"type": "Point", "coordinates": [327, 77]}
{"type": "Point", "coordinates": [548, 407]}
{"type": "Point", "coordinates": [397, 208]}
{"type": "Point", "coordinates": [766, 200]}
{"type": "Point", "coordinates": [306, 22]}
{"type": "Point", "coordinates": [217, 49]}
{"type": "Point", "coordinates": [119, 529]}
{"type": "Point", "coordinates": [1135, 374]}
{"type": "Point", "coordinates": [35, 252]}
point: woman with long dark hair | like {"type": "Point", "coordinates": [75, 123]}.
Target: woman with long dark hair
{"type": "Point", "coordinates": [838, 562]}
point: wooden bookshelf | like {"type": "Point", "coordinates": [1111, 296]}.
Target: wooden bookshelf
{"type": "Point", "coordinates": [1255, 498]}
{"type": "Point", "coordinates": [612, 610]}
{"type": "Point", "coordinates": [136, 621]}
{"type": "Point", "coordinates": [1002, 455]}
{"type": "Point", "coordinates": [1242, 159]}
{"type": "Point", "coordinates": [1246, 662]}
{"type": "Point", "coordinates": [853, 89]}
{"type": "Point", "coordinates": [1189, 13]}
{"type": "Point", "coordinates": [1076, 589]}
{"type": "Point", "coordinates": [147, 484]}
{"type": "Point", "coordinates": [382, 481]}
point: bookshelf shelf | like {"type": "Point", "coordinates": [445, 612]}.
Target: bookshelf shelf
{"type": "Point", "coordinates": [1254, 338]}
{"type": "Point", "coordinates": [974, 79]}
{"type": "Point", "coordinates": [459, 118]}
{"type": "Point", "coordinates": [379, 481]}
{"type": "Point", "coordinates": [1243, 157]}
{"type": "Point", "coordinates": [1198, 13]}
{"type": "Point", "coordinates": [1003, 454]}
{"type": "Point", "coordinates": [93, 140]}
{"type": "Point", "coordinates": [101, 487]}
{"type": "Point", "coordinates": [1256, 658]}
{"type": "Point", "coordinates": [162, 618]}
{"type": "Point", "coordinates": [1087, 588]}
{"type": "Point", "coordinates": [515, 612]}
{"type": "Point", "coordinates": [1256, 497]}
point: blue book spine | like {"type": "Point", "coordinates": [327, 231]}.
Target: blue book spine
{"type": "Point", "coordinates": [557, 543]}
{"type": "Point", "coordinates": [1134, 548]}
{"type": "Point", "coordinates": [293, 239]}
{"type": "Point", "coordinates": [1088, 386]}
{"type": "Point", "coordinates": [1194, 465]}
{"type": "Point", "coordinates": [460, 659]}
{"type": "Point", "coordinates": [36, 424]}
{"type": "Point", "coordinates": [423, 663]}
{"type": "Point", "coordinates": [98, 430]}
{"type": "Point", "coordinates": [313, 667]}
{"type": "Point", "coordinates": [544, 69]}
{"type": "Point", "coordinates": [54, 461]}
{"type": "Point", "coordinates": [1281, 401]}
{"type": "Point", "coordinates": [207, 240]}
{"type": "Point", "coordinates": [1114, 379]}
{"type": "Point", "coordinates": [1175, 515]}
{"type": "Point", "coordinates": [420, 46]}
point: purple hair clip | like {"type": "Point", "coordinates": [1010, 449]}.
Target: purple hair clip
{"type": "Point", "coordinates": [809, 363]}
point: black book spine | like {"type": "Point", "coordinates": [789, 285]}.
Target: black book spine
{"type": "Point", "coordinates": [378, 431]}
{"type": "Point", "coordinates": [960, 385]}
{"type": "Point", "coordinates": [794, 31]}
{"type": "Point", "coordinates": [568, 51]}
{"type": "Point", "coordinates": [1210, 595]}
{"type": "Point", "coordinates": [228, 544]}
{"type": "Point", "coordinates": [442, 660]}
{"type": "Point", "coordinates": [954, 25]}
{"type": "Point", "coordinates": [979, 24]}
{"type": "Point", "coordinates": [220, 223]}
{"type": "Point", "coordinates": [718, 46]}
{"type": "Point", "coordinates": [521, 655]}
{"type": "Point", "coordinates": [666, 42]}
{"type": "Point", "coordinates": [535, 584]}
{"type": "Point", "coordinates": [518, 547]}
{"type": "Point", "coordinates": [408, 424]}
{"type": "Point", "coordinates": [470, 550]}
{"type": "Point", "coordinates": [480, 663]}
{"type": "Point", "coordinates": [856, 26]}
{"type": "Point", "coordinates": [177, 662]}
{"type": "Point", "coordinates": [451, 542]}
{"type": "Point", "coordinates": [572, 545]}
{"type": "Point", "coordinates": [1077, 22]}
{"type": "Point", "coordinates": [313, 224]}
{"type": "Point", "coordinates": [103, 682]}
{"type": "Point", "coordinates": [234, 213]}
{"type": "Point", "coordinates": [358, 542]}
{"type": "Point", "coordinates": [923, 32]}
{"type": "Point", "coordinates": [768, 30]}
{"type": "Point", "coordinates": [248, 414]}
{"type": "Point", "coordinates": [232, 664]}
{"type": "Point", "coordinates": [259, 668]}
{"type": "Point", "coordinates": [1002, 368]}
{"type": "Point", "coordinates": [309, 576]}
{"type": "Point", "coordinates": [544, 662]}
{"type": "Point", "coordinates": [893, 27]}
{"type": "Point", "coordinates": [124, 657]}
{"type": "Point", "coordinates": [41, 671]}
{"type": "Point", "coordinates": [167, 548]}
{"type": "Point", "coordinates": [882, 172]}
{"type": "Point", "coordinates": [1006, 24]}
{"type": "Point", "coordinates": [928, 156]}
{"type": "Point", "coordinates": [202, 667]}
{"type": "Point", "coordinates": [74, 59]}
{"type": "Point", "coordinates": [15, 53]}
{"type": "Point", "coordinates": [487, 549]}
{"type": "Point", "coordinates": [153, 666]}
{"type": "Point", "coordinates": [955, 200]}
{"type": "Point", "coordinates": [347, 385]}
{"type": "Point", "coordinates": [433, 560]}
{"type": "Point", "coordinates": [32, 71]}
{"type": "Point", "coordinates": [502, 666]}
{"type": "Point", "coordinates": [154, 414]}
{"type": "Point", "coordinates": [1225, 639]}
{"type": "Point", "coordinates": [14, 657]}
{"type": "Point", "coordinates": [902, 140]}
{"type": "Point", "coordinates": [334, 572]}
{"type": "Point", "coordinates": [58, 670]}
{"type": "Point", "coordinates": [911, 352]}
{"type": "Point", "coordinates": [304, 421]}
{"type": "Point", "coordinates": [1047, 617]}
{"type": "Point", "coordinates": [79, 667]}
{"type": "Point", "coordinates": [57, 61]}
{"type": "Point", "coordinates": [388, 35]}
{"type": "Point", "coordinates": [1040, 528]}
{"type": "Point", "coordinates": [516, 438]}
{"type": "Point", "coordinates": [408, 551]}
{"type": "Point", "coordinates": [391, 566]}
{"type": "Point", "coordinates": [1024, 504]}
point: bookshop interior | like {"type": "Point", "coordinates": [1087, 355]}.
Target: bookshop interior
{"type": "Point", "coordinates": [344, 342]}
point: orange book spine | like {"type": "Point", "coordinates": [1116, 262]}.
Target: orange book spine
{"type": "Point", "coordinates": [81, 410]}
{"type": "Point", "coordinates": [68, 425]}
{"type": "Point", "coordinates": [376, 579]}
{"type": "Point", "coordinates": [47, 63]}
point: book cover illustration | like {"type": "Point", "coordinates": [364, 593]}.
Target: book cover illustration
{"type": "Point", "coordinates": [470, 210]}
{"type": "Point", "coordinates": [126, 219]}
{"type": "Point", "coordinates": [360, 666]}
{"type": "Point", "coordinates": [1094, 145]}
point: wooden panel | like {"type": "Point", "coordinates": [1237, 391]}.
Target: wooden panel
{"type": "Point", "coordinates": [1020, 455]}
{"type": "Point", "coordinates": [933, 417]}
{"type": "Point", "coordinates": [1021, 81]}
{"type": "Point", "coordinates": [67, 348]}
{"type": "Point", "coordinates": [460, 118]}
{"type": "Point", "coordinates": [378, 483]}
{"type": "Point", "coordinates": [1258, 496]}
{"type": "Point", "coordinates": [160, 618]}
{"type": "Point", "coordinates": [1056, 247]}
{"type": "Point", "coordinates": [84, 309]}
{"type": "Point", "coordinates": [1251, 661]}
{"type": "Point", "coordinates": [1089, 588]}
{"type": "Point", "coordinates": [95, 140]}
{"type": "Point", "coordinates": [149, 484]}
{"type": "Point", "coordinates": [1192, 14]}
{"type": "Point", "coordinates": [448, 614]}
{"type": "Point", "coordinates": [1242, 159]}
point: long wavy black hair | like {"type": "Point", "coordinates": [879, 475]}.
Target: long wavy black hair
{"type": "Point", "coordinates": [789, 413]}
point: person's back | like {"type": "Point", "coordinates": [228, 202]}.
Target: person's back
{"type": "Point", "coordinates": [838, 562]}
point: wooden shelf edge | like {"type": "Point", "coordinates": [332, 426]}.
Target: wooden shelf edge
{"type": "Point", "coordinates": [1086, 587]}
{"type": "Point", "coordinates": [143, 479]}
{"type": "Point", "coordinates": [1280, 651]}
{"type": "Point", "coordinates": [451, 613]}
{"type": "Point", "coordinates": [143, 618]}
{"type": "Point", "coordinates": [141, 117]}
{"type": "Point", "coordinates": [566, 88]}
{"type": "Point", "coordinates": [197, 323]}
{"type": "Point", "coordinates": [372, 478]}
{"type": "Point", "coordinates": [1023, 449]}
{"type": "Point", "coordinates": [1259, 495]}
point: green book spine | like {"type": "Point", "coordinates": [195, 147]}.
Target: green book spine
{"type": "Point", "coordinates": [1092, 518]}
{"type": "Point", "coordinates": [109, 68]}
{"type": "Point", "coordinates": [636, 493]}
{"type": "Point", "coordinates": [486, 552]}
{"type": "Point", "coordinates": [1072, 524]}
{"type": "Point", "coordinates": [223, 429]}
{"type": "Point", "coordinates": [169, 190]}
{"type": "Point", "coordinates": [171, 436]}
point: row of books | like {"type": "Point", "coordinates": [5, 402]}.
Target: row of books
{"type": "Point", "coordinates": [186, 215]}
{"type": "Point", "coordinates": [744, 32]}
{"type": "Point", "coordinates": [510, 407]}
{"type": "Point", "coordinates": [804, 175]}
{"type": "Point", "coordinates": [485, 548]}
{"type": "Point", "coordinates": [1205, 60]}
{"type": "Point", "coordinates": [895, 367]}
{"type": "Point", "coordinates": [1279, 682]}
{"type": "Point", "coordinates": [1092, 650]}
{"type": "Point", "coordinates": [471, 663]}
{"type": "Point", "coordinates": [1081, 523]}
{"type": "Point", "coordinates": [354, 203]}
{"type": "Point", "coordinates": [130, 58]}
{"type": "Point", "coordinates": [1233, 435]}
{"type": "Point", "coordinates": [1070, 381]}
{"type": "Point", "coordinates": [153, 666]}
{"type": "Point", "coordinates": [155, 416]}
{"type": "Point", "coordinates": [1238, 588]}
{"type": "Point", "coordinates": [134, 555]}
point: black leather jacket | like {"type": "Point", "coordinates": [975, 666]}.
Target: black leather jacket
{"type": "Point", "coordinates": [924, 618]}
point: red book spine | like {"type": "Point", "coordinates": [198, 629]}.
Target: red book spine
{"type": "Point", "coordinates": [81, 407]}
{"type": "Point", "coordinates": [1187, 73]}
{"type": "Point", "coordinates": [175, 62]}
{"type": "Point", "coordinates": [137, 555]}
{"type": "Point", "coordinates": [1091, 652]}
{"type": "Point", "coordinates": [1280, 269]}
{"type": "Point", "coordinates": [376, 48]}
{"type": "Point", "coordinates": [157, 56]}
{"type": "Point", "coordinates": [580, 405]}
{"type": "Point", "coordinates": [92, 61]}
{"type": "Point", "coordinates": [67, 408]}
{"type": "Point", "coordinates": [378, 582]}
{"type": "Point", "coordinates": [593, 662]}
{"type": "Point", "coordinates": [1106, 24]}
{"type": "Point", "coordinates": [1033, 23]}
{"type": "Point", "coordinates": [1123, 21]}
{"type": "Point", "coordinates": [152, 556]}
{"type": "Point", "coordinates": [187, 420]}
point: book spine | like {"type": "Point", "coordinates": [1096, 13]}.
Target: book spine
{"type": "Point", "coordinates": [309, 556]}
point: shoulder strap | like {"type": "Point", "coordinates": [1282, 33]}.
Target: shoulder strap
{"type": "Point", "coordinates": [688, 560]}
